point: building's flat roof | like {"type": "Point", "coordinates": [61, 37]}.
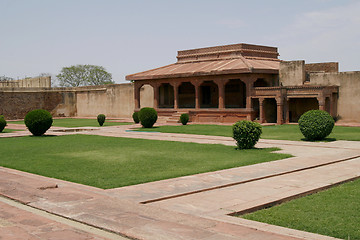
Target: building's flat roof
{"type": "Point", "coordinates": [229, 59]}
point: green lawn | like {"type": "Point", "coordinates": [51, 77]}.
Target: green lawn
{"type": "Point", "coordinates": [280, 132]}
{"type": "Point", "coordinates": [334, 212]}
{"type": "Point", "coordinates": [6, 130]}
{"type": "Point", "coordinates": [109, 162]}
{"type": "Point", "coordinates": [78, 122]}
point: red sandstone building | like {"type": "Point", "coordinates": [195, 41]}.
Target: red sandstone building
{"type": "Point", "coordinates": [235, 82]}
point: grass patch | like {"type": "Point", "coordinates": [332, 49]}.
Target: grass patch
{"type": "Point", "coordinates": [278, 132]}
{"type": "Point", "coordinates": [6, 130]}
{"type": "Point", "coordinates": [334, 212]}
{"type": "Point", "coordinates": [78, 122]}
{"type": "Point", "coordinates": [108, 162]}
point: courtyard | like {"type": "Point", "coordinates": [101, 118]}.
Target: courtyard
{"type": "Point", "coordinates": [84, 176]}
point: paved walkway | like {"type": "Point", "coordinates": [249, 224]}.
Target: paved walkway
{"type": "Point", "coordinates": [191, 207]}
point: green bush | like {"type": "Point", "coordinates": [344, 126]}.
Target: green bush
{"type": "Point", "coordinates": [184, 118]}
{"type": "Point", "coordinates": [148, 117]}
{"type": "Point", "coordinates": [2, 123]}
{"type": "Point", "coordinates": [101, 119]}
{"type": "Point", "coordinates": [38, 121]}
{"type": "Point", "coordinates": [135, 117]}
{"type": "Point", "coordinates": [316, 124]}
{"type": "Point", "coordinates": [246, 134]}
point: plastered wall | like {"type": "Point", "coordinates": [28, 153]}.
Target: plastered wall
{"type": "Point", "coordinates": [39, 82]}
{"type": "Point", "coordinates": [349, 92]}
{"type": "Point", "coordinates": [115, 100]}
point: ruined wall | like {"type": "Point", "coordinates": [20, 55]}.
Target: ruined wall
{"type": "Point", "coordinates": [39, 82]}
{"type": "Point", "coordinates": [349, 94]}
{"type": "Point", "coordinates": [322, 67]}
{"type": "Point", "coordinates": [15, 103]}
{"type": "Point", "coordinates": [292, 73]}
{"type": "Point", "coordinates": [116, 100]}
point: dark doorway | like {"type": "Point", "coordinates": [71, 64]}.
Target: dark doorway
{"type": "Point", "coordinates": [166, 96]}
{"type": "Point", "coordinates": [270, 110]}
{"type": "Point", "coordinates": [235, 94]}
{"type": "Point", "coordinates": [186, 95]}
{"type": "Point", "coordinates": [209, 95]}
{"type": "Point", "coordinates": [298, 106]}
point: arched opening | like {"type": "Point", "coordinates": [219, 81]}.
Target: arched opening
{"type": "Point", "coordinates": [270, 111]}
{"type": "Point", "coordinates": [186, 95]}
{"type": "Point", "coordinates": [166, 96]}
{"type": "Point", "coordinates": [146, 96]}
{"type": "Point", "coordinates": [261, 82]}
{"type": "Point", "coordinates": [298, 106]}
{"type": "Point", "coordinates": [209, 95]}
{"type": "Point", "coordinates": [235, 94]}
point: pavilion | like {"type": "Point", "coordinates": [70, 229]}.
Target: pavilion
{"type": "Point", "coordinates": [230, 83]}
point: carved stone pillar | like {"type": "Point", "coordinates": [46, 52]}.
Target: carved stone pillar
{"type": "Point", "coordinates": [287, 111]}
{"type": "Point", "coordinates": [156, 94]}
{"type": "Point", "coordinates": [176, 94]}
{"type": "Point", "coordinates": [197, 93]}
{"type": "Point", "coordinates": [261, 110]}
{"type": "Point", "coordinates": [279, 109]}
{"type": "Point", "coordinates": [249, 82]}
{"type": "Point", "coordinates": [321, 101]}
{"type": "Point", "coordinates": [221, 87]}
{"type": "Point", "coordinates": [137, 95]}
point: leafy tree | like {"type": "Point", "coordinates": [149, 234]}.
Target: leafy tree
{"type": "Point", "coordinates": [4, 78]}
{"type": "Point", "coordinates": [83, 75]}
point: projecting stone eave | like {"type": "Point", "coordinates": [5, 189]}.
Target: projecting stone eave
{"type": "Point", "coordinates": [166, 72]}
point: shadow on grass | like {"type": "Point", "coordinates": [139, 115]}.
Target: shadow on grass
{"type": "Point", "coordinates": [43, 136]}
{"type": "Point", "coordinates": [323, 140]}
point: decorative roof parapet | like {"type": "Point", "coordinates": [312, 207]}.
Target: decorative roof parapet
{"type": "Point", "coordinates": [228, 52]}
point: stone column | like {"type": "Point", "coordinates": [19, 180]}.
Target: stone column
{"type": "Point", "coordinates": [221, 87]}
{"type": "Point", "coordinates": [321, 101]}
{"type": "Point", "coordinates": [287, 111]}
{"type": "Point", "coordinates": [280, 106]}
{"type": "Point", "coordinates": [261, 110]}
{"type": "Point", "coordinates": [156, 94]}
{"type": "Point", "coordinates": [176, 94]}
{"type": "Point", "coordinates": [197, 93]}
{"type": "Point", "coordinates": [137, 95]}
{"type": "Point", "coordinates": [249, 82]}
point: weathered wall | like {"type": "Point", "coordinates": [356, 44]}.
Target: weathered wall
{"type": "Point", "coordinates": [39, 82]}
{"type": "Point", "coordinates": [292, 73]}
{"type": "Point", "coordinates": [16, 103]}
{"type": "Point", "coordinates": [115, 100]}
{"type": "Point", "coordinates": [349, 94]}
{"type": "Point", "coordinates": [322, 67]}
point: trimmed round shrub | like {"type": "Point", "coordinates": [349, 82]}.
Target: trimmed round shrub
{"type": "Point", "coordinates": [2, 123]}
{"type": "Point", "coordinates": [246, 134]}
{"type": "Point", "coordinates": [135, 117]}
{"type": "Point", "coordinates": [101, 119]}
{"type": "Point", "coordinates": [316, 124]}
{"type": "Point", "coordinates": [38, 121]}
{"type": "Point", "coordinates": [184, 118]}
{"type": "Point", "coordinates": [147, 117]}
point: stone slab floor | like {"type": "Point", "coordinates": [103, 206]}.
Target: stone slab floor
{"type": "Point", "coordinates": [191, 207]}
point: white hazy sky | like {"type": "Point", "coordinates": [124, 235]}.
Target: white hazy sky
{"type": "Point", "coordinates": [125, 37]}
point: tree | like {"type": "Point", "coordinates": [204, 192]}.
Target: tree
{"type": "Point", "coordinates": [83, 75]}
{"type": "Point", "coordinates": [4, 78]}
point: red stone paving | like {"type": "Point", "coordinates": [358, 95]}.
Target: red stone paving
{"type": "Point", "coordinates": [20, 224]}
{"type": "Point", "coordinates": [191, 207]}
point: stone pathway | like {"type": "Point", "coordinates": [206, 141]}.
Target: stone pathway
{"type": "Point", "coordinates": [191, 207]}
